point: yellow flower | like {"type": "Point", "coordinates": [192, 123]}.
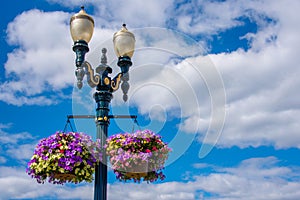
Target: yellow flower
{"type": "Point", "coordinates": [33, 165]}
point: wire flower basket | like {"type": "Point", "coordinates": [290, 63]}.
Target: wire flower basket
{"type": "Point", "coordinates": [65, 157]}
{"type": "Point", "coordinates": [139, 156]}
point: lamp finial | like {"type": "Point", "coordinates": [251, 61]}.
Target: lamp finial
{"type": "Point", "coordinates": [103, 57]}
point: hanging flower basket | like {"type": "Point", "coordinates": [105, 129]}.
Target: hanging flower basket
{"type": "Point", "coordinates": [65, 157]}
{"type": "Point", "coordinates": [139, 156]}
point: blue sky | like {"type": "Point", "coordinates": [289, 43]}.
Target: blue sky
{"type": "Point", "coordinates": [217, 79]}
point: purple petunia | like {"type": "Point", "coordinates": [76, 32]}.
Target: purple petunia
{"type": "Point", "coordinates": [65, 153]}
{"type": "Point", "coordinates": [142, 153]}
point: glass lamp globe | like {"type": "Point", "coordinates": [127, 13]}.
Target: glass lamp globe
{"type": "Point", "coordinates": [124, 42]}
{"type": "Point", "coordinates": [81, 26]}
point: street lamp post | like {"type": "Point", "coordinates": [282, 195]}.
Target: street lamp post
{"type": "Point", "coordinates": [81, 28]}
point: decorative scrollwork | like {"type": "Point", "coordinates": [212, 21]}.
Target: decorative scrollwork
{"type": "Point", "coordinates": [125, 86]}
{"type": "Point", "coordinates": [115, 83]}
{"type": "Point", "coordinates": [79, 72]}
{"type": "Point", "coordinates": [100, 77]}
{"type": "Point", "coordinates": [93, 80]}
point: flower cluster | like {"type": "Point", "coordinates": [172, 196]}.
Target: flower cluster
{"type": "Point", "coordinates": [70, 153]}
{"type": "Point", "coordinates": [138, 155]}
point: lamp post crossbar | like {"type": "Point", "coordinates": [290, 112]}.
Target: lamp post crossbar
{"type": "Point", "coordinates": [109, 116]}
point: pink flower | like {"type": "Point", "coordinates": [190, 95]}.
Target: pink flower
{"type": "Point", "coordinates": [148, 151]}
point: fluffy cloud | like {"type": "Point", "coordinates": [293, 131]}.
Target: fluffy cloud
{"type": "Point", "coordinates": [255, 178]}
{"type": "Point", "coordinates": [19, 185]}
{"type": "Point", "coordinates": [261, 87]}
{"type": "Point", "coordinates": [7, 138]}
{"type": "Point", "coordinates": [41, 62]}
{"type": "Point", "coordinates": [17, 146]}
{"type": "Point", "coordinates": [208, 17]}
{"type": "Point", "coordinates": [135, 13]}
{"type": "Point", "coordinates": [2, 159]}
{"type": "Point", "coordinates": [259, 83]}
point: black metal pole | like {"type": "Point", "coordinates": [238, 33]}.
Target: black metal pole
{"type": "Point", "coordinates": [102, 98]}
{"type": "Point", "coordinates": [103, 95]}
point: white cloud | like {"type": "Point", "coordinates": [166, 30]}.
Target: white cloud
{"type": "Point", "coordinates": [22, 151]}
{"type": "Point", "coordinates": [261, 86]}
{"type": "Point", "coordinates": [166, 191]}
{"type": "Point", "coordinates": [254, 178]}
{"type": "Point", "coordinates": [134, 13]}
{"type": "Point", "coordinates": [208, 17]}
{"type": "Point", "coordinates": [42, 61]}
{"type": "Point", "coordinates": [2, 160]}
{"type": "Point", "coordinates": [19, 185]}
{"type": "Point", "coordinates": [16, 146]}
{"type": "Point", "coordinates": [7, 138]}
{"type": "Point", "coordinates": [260, 83]}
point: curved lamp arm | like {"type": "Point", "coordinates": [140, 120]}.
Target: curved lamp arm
{"type": "Point", "coordinates": [92, 79]}
{"type": "Point", "coordinates": [99, 78]}
{"type": "Point", "coordinates": [115, 83]}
